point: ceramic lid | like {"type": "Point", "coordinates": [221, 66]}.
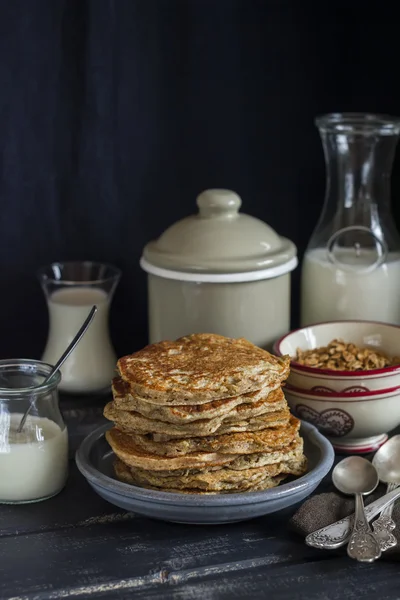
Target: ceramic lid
{"type": "Point", "coordinates": [219, 244]}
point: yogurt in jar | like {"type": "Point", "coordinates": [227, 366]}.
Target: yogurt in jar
{"type": "Point", "coordinates": [34, 462]}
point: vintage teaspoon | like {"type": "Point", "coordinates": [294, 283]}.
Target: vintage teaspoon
{"type": "Point", "coordinates": [356, 475]}
{"type": "Point", "coordinates": [387, 463]}
{"type": "Point", "coordinates": [62, 359]}
{"type": "Point", "coordinates": [337, 534]}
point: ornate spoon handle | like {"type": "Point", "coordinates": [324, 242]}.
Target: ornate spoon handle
{"type": "Point", "coordinates": [362, 545]}
{"type": "Point", "coordinates": [384, 525]}
{"type": "Point", "coordinates": [337, 535]}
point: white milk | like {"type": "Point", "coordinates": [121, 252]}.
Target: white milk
{"type": "Point", "coordinates": [330, 292]}
{"type": "Point", "coordinates": [33, 463]}
{"type": "Point", "coordinates": [91, 365]}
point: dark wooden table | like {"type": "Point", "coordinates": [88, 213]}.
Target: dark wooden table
{"type": "Point", "coordinates": [76, 545]}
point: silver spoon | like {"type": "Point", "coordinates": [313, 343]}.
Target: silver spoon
{"type": "Point", "coordinates": [338, 534]}
{"type": "Point", "coordinates": [387, 463]}
{"type": "Point", "coordinates": [61, 360]}
{"type": "Point", "coordinates": [356, 475]}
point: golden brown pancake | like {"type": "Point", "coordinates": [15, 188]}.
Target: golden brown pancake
{"type": "Point", "coordinates": [221, 480]}
{"type": "Point", "coordinates": [264, 400]}
{"type": "Point", "coordinates": [204, 414]}
{"type": "Point", "coordinates": [134, 422]}
{"type": "Point", "coordinates": [199, 368]}
{"type": "Point", "coordinates": [268, 440]}
{"type": "Point", "coordinates": [132, 455]}
{"type": "Point", "coordinates": [239, 443]}
{"type": "Point", "coordinates": [124, 474]}
{"type": "Point", "coordinates": [292, 452]}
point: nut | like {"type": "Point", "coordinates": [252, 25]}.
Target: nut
{"type": "Point", "coordinates": [340, 356]}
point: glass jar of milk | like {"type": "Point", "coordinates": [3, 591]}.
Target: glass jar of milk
{"type": "Point", "coordinates": [71, 289]}
{"type": "Point", "coordinates": [34, 461]}
{"type": "Point", "coordinates": [351, 268]}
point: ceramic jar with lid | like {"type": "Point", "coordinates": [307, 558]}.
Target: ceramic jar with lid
{"type": "Point", "coordinates": [219, 271]}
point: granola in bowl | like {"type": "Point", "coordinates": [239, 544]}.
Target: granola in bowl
{"type": "Point", "coordinates": [343, 356]}
{"type": "Point", "coordinates": [339, 355]}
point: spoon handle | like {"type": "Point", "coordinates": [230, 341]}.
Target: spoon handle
{"type": "Point", "coordinates": [389, 509]}
{"type": "Point", "coordinates": [73, 344]}
{"type": "Point", "coordinates": [338, 534]}
{"type": "Point", "coordinates": [384, 525]}
{"type": "Point", "coordinates": [61, 361]}
{"type": "Point", "coordinates": [362, 545]}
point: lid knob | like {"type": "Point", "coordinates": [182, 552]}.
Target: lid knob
{"type": "Point", "coordinates": [218, 203]}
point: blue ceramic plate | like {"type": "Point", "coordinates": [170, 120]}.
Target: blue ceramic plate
{"type": "Point", "coordinates": [95, 459]}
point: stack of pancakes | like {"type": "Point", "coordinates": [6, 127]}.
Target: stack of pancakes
{"type": "Point", "coordinates": [203, 414]}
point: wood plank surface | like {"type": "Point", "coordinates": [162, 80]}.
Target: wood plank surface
{"type": "Point", "coordinates": [78, 546]}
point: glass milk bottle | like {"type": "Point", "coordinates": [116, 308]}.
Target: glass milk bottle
{"type": "Point", "coordinates": [71, 289]}
{"type": "Point", "coordinates": [351, 268]}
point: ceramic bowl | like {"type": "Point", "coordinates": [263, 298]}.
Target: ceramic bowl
{"type": "Point", "coordinates": [95, 461]}
{"type": "Point", "coordinates": [380, 336]}
{"type": "Point", "coordinates": [356, 422]}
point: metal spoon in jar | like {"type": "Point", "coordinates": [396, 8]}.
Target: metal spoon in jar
{"type": "Point", "coordinates": [62, 359]}
{"type": "Point", "coordinates": [387, 463]}
{"type": "Point", "coordinates": [356, 475]}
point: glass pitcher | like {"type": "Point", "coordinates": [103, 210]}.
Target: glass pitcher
{"type": "Point", "coordinates": [71, 289]}
{"type": "Point", "coordinates": [351, 268]}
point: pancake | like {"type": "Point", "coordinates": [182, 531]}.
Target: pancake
{"type": "Point", "coordinates": [294, 451]}
{"type": "Point", "coordinates": [134, 422]}
{"type": "Point", "coordinates": [124, 474]}
{"type": "Point", "coordinates": [133, 456]}
{"type": "Point", "coordinates": [239, 443]}
{"type": "Point", "coordinates": [259, 459]}
{"type": "Point", "coordinates": [258, 423]}
{"type": "Point", "coordinates": [268, 398]}
{"type": "Point", "coordinates": [199, 368]}
{"type": "Point", "coordinates": [204, 414]}
{"type": "Point", "coordinates": [223, 479]}
{"type": "Point", "coordinates": [139, 451]}
{"type": "Point", "coordinates": [125, 449]}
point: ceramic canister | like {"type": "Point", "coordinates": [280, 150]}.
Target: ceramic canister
{"type": "Point", "coordinates": [219, 271]}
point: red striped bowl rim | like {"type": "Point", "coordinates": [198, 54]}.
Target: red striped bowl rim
{"type": "Point", "coordinates": [330, 372]}
{"type": "Point", "coordinates": [345, 395]}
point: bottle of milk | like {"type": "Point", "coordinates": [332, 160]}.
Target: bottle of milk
{"type": "Point", "coordinates": [351, 268]}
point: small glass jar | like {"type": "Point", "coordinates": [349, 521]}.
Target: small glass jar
{"type": "Point", "coordinates": [34, 462]}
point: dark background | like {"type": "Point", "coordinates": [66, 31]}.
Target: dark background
{"type": "Point", "coordinates": [115, 114]}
